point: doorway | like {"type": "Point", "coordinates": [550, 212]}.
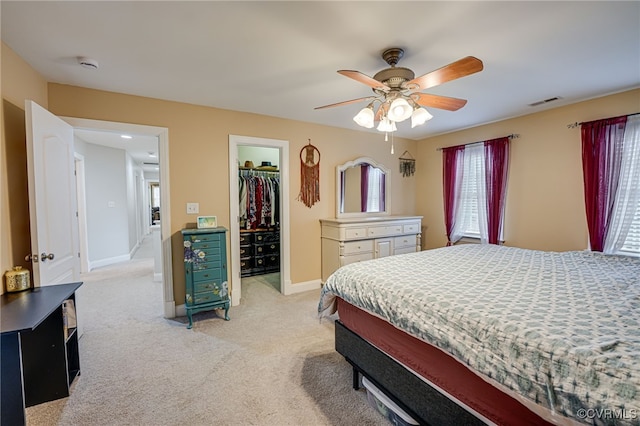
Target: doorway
{"type": "Point", "coordinates": [280, 151]}
{"type": "Point", "coordinates": [163, 165]}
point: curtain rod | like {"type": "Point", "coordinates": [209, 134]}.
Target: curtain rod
{"type": "Point", "coordinates": [576, 124]}
{"type": "Point", "coordinates": [511, 136]}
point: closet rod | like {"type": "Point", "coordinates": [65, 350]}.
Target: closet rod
{"type": "Point", "coordinates": [263, 173]}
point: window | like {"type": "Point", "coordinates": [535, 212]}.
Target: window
{"type": "Point", "coordinates": [625, 223]}
{"type": "Point", "coordinates": [474, 188]}
{"type": "Point", "coordinates": [471, 192]}
{"type": "Point", "coordinates": [611, 171]}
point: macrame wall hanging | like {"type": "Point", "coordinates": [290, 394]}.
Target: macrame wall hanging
{"type": "Point", "coordinates": [407, 164]}
{"type": "Point", "coordinates": [309, 175]}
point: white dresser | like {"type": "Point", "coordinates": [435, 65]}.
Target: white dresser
{"type": "Point", "coordinates": [351, 240]}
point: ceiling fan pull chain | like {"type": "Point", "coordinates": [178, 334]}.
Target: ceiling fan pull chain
{"type": "Point", "coordinates": [391, 142]}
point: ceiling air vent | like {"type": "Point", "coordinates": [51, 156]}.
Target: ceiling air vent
{"type": "Point", "coordinates": [546, 101]}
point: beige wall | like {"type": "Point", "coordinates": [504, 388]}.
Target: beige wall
{"type": "Point", "coordinates": [545, 204]}
{"type": "Point", "coordinates": [198, 151]}
{"type": "Point", "coordinates": [199, 165]}
{"type": "Point", "coordinates": [18, 82]}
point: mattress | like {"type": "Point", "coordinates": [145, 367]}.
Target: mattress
{"type": "Point", "coordinates": [560, 329]}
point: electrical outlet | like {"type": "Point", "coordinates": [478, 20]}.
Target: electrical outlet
{"type": "Point", "coordinates": [193, 208]}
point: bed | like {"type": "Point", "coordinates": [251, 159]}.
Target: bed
{"type": "Point", "coordinates": [485, 334]}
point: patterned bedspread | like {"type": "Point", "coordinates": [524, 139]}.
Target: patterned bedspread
{"type": "Point", "coordinates": [562, 329]}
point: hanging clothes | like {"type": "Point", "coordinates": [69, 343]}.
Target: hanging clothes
{"type": "Point", "coordinates": [259, 199]}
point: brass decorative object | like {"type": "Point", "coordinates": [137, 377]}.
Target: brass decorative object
{"type": "Point", "coordinates": [18, 279]}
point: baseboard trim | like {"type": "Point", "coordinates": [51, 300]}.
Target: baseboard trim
{"type": "Point", "coordinates": [303, 286]}
{"type": "Point", "coordinates": [108, 261]}
{"type": "Point", "coordinates": [181, 310]}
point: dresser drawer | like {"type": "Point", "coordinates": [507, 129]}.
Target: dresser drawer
{"type": "Point", "coordinates": [353, 258]}
{"type": "Point", "coordinates": [200, 298]}
{"type": "Point", "coordinates": [272, 262]}
{"type": "Point", "coordinates": [258, 263]}
{"type": "Point", "coordinates": [405, 241]}
{"type": "Point", "coordinates": [271, 237]}
{"type": "Point", "coordinates": [207, 246]}
{"type": "Point", "coordinates": [245, 250]}
{"type": "Point", "coordinates": [271, 248]}
{"type": "Point", "coordinates": [258, 237]}
{"type": "Point", "coordinates": [205, 238]}
{"type": "Point", "coordinates": [404, 250]}
{"type": "Point", "coordinates": [246, 263]}
{"type": "Point", "coordinates": [246, 238]}
{"type": "Point", "coordinates": [384, 231]}
{"type": "Point", "coordinates": [207, 286]}
{"type": "Point", "coordinates": [207, 275]}
{"type": "Point", "coordinates": [353, 247]}
{"type": "Point", "coordinates": [352, 233]}
{"type": "Point", "coordinates": [206, 263]}
{"type": "Point", "coordinates": [411, 228]}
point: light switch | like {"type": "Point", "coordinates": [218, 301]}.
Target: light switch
{"type": "Point", "coordinates": [193, 208]}
{"type": "Point", "coordinates": [111, 204]}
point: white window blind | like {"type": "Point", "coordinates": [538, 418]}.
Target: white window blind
{"type": "Point", "coordinates": [624, 232]}
{"type": "Point", "coordinates": [374, 202]}
{"type": "Point", "coordinates": [471, 192]}
{"type": "Point", "coordinates": [632, 242]}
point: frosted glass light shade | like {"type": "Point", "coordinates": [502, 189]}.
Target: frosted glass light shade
{"type": "Point", "coordinates": [365, 117]}
{"type": "Point", "coordinates": [387, 125]}
{"type": "Point", "coordinates": [399, 110]}
{"type": "Point", "coordinates": [419, 117]}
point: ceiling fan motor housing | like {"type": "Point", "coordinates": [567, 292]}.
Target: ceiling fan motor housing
{"type": "Point", "coordinates": [394, 76]}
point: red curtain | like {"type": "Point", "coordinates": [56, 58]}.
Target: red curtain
{"type": "Point", "coordinates": [496, 157]}
{"type": "Point", "coordinates": [450, 157]}
{"type": "Point", "coordinates": [601, 157]}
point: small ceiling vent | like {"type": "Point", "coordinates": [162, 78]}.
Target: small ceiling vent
{"type": "Point", "coordinates": [545, 101]}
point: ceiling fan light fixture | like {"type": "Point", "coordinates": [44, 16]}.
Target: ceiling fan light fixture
{"type": "Point", "coordinates": [387, 125]}
{"type": "Point", "coordinates": [365, 117]}
{"type": "Point", "coordinates": [399, 110]}
{"type": "Point", "coordinates": [420, 116]}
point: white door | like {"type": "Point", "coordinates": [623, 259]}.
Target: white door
{"type": "Point", "coordinates": [52, 197]}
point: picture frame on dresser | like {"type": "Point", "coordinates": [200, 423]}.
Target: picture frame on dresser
{"type": "Point", "coordinates": [205, 222]}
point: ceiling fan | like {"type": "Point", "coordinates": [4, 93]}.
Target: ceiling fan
{"type": "Point", "coordinates": [397, 89]}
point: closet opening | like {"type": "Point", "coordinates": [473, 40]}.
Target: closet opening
{"type": "Point", "coordinates": [259, 210]}
{"type": "Point", "coordinates": [259, 215]}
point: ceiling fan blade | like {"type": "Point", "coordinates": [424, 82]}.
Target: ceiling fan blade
{"type": "Point", "coordinates": [352, 101]}
{"type": "Point", "coordinates": [440, 102]}
{"type": "Point", "coordinates": [365, 79]}
{"type": "Point", "coordinates": [460, 68]}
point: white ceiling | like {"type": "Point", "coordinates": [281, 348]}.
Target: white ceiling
{"type": "Point", "coordinates": [280, 58]}
{"type": "Point", "coordinates": [143, 148]}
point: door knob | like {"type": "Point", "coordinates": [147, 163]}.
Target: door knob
{"type": "Point", "coordinates": [31, 258]}
{"type": "Point", "coordinates": [45, 256]}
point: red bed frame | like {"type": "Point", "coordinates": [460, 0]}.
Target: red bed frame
{"type": "Point", "coordinates": [399, 363]}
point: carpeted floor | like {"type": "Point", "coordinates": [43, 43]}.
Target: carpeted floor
{"type": "Point", "coordinates": [273, 363]}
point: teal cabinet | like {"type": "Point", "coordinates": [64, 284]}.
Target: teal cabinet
{"type": "Point", "coordinates": [205, 268]}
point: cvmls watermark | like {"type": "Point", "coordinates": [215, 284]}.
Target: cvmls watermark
{"type": "Point", "coordinates": [608, 413]}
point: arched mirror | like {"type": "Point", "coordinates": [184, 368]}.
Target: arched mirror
{"type": "Point", "coordinates": [361, 189]}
